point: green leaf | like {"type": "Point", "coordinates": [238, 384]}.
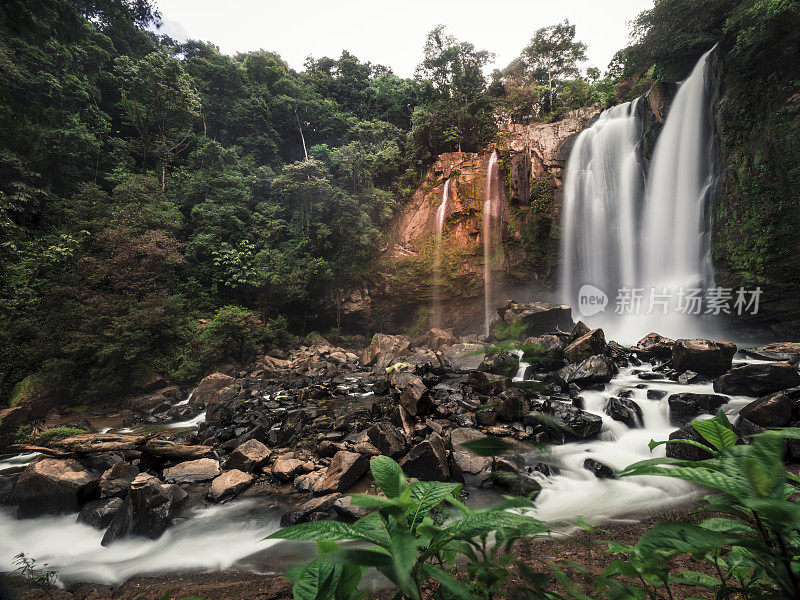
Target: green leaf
{"type": "Point", "coordinates": [653, 444]}
{"type": "Point", "coordinates": [316, 582]}
{"type": "Point", "coordinates": [427, 495]}
{"type": "Point", "coordinates": [487, 446]}
{"type": "Point", "coordinates": [388, 475]}
{"type": "Point", "coordinates": [324, 531]}
{"type": "Point", "coordinates": [404, 555]}
{"type": "Point", "coordinates": [715, 433]}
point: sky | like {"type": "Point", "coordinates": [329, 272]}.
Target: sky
{"type": "Point", "coordinates": [393, 33]}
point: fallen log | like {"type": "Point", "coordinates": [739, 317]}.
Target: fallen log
{"type": "Point", "coordinates": [90, 443]}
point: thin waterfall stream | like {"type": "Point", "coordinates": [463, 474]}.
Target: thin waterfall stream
{"type": "Point", "coordinates": [441, 214]}
{"type": "Point", "coordinates": [491, 224]}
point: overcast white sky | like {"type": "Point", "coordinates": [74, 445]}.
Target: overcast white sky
{"type": "Point", "coordinates": [393, 33]}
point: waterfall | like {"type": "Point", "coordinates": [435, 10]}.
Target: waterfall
{"type": "Point", "coordinates": [491, 218]}
{"type": "Point", "coordinates": [441, 213]}
{"type": "Point", "coordinates": [627, 228]}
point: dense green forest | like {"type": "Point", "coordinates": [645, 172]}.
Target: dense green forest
{"type": "Point", "coordinates": [159, 200]}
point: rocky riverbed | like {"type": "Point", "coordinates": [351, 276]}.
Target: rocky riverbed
{"type": "Point", "coordinates": [194, 479]}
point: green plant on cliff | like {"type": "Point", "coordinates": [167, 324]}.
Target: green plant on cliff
{"type": "Point", "coordinates": [411, 541]}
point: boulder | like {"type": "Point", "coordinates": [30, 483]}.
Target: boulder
{"type": "Point", "coordinates": [578, 331]}
{"type": "Point", "coordinates": [7, 485]}
{"type": "Point", "coordinates": [463, 357]}
{"type": "Point", "coordinates": [439, 339]}
{"type": "Point", "coordinates": [413, 393]}
{"type": "Point", "coordinates": [513, 405]}
{"type": "Point", "coordinates": [116, 481]}
{"type": "Point", "coordinates": [229, 484]}
{"type": "Point", "coordinates": [192, 471]}
{"type": "Point", "coordinates": [37, 397]}
{"type": "Point", "coordinates": [285, 469]}
{"type": "Point", "coordinates": [777, 351]}
{"type": "Point", "coordinates": [206, 392]}
{"type": "Point", "coordinates": [366, 449]}
{"type": "Point", "coordinates": [757, 379]}
{"type": "Point", "coordinates": [584, 346]}
{"type": "Point", "coordinates": [345, 470]}
{"type": "Point", "coordinates": [514, 474]}
{"type": "Point", "coordinates": [467, 465]}
{"type": "Point", "coordinates": [706, 357]}
{"type": "Point", "coordinates": [685, 451]}
{"type": "Point", "coordinates": [53, 486]}
{"type": "Point", "coordinates": [387, 439]}
{"type": "Point", "coordinates": [248, 457]}
{"type": "Point", "coordinates": [654, 345]}
{"type": "Point", "coordinates": [147, 510]}
{"type": "Point", "coordinates": [600, 470]}
{"type": "Point", "coordinates": [595, 369]}
{"type": "Point", "coordinates": [427, 460]}
{"type": "Point", "coordinates": [579, 423]}
{"type": "Point", "coordinates": [99, 513]}
{"type": "Point", "coordinates": [686, 406]}
{"type": "Point", "coordinates": [500, 363]}
{"type": "Point", "coordinates": [314, 506]}
{"type": "Point", "coordinates": [624, 410]}
{"type": "Point", "coordinates": [347, 511]}
{"type": "Point", "coordinates": [532, 318]}
{"type": "Point", "coordinates": [488, 383]}
{"type": "Point", "coordinates": [772, 410]}
{"type": "Point", "coordinates": [382, 345]}
{"type": "Point", "coordinates": [10, 421]}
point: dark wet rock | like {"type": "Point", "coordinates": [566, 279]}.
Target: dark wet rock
{"type": "Point", "coordinates": [486, 417]}
{"type": "Point", "coordinates": [7, 485]}
{"type": "Point", "coordinates": [302, 513]}
{"type": "Point", "coordinates": [248, 457]}
{"type": "Point", "coordinates": [624, 410]}
{"type": "Point", "coordinates": [777, 351]}
{"type": "Point", "coordinates": [578, 331]}
{"type": "Point", "coordinates": [347, 511]}
{"type": "Point", "coordinates": [600, 470]}
{"type": "Point", "coordinates": [99, 513]}
{"type": "Point", "coordinates": [706, 357]}
{"type": "Point", "coordinates": [116, 481]}
{"type": "Point", "coordinates": [327, 448]}
{"type": "Point", "coordinates": [53, 486]}
{"type": "Point", "coordinates": [147, 510]}
{"type": "Point", "coordinates": [595, 369]}
{"type": "Point", "coordinates": [229, 484]}
{"type": "Point", "coordinates": [579, 423]}
{"type": "Point", "coordinates": [488, 383]}
{"type": "Point", "coordinates": [366, 449]}
{"type": "Point", "coordinates": [345, 470]}
{"type": "Point", "coordinates": [291, 429]}
{"type": "Point", "coordinates": [192, 471]}
{"type": "Point", "coordinates": [654, 345]}
{"type": "Point", "coordinates": [387, 438]}
{"type": "Point", "coordinates": [10, 421]}
{"type": "Point", "coordinates": [512, 473]}
{"type": "Point", "coordinates": [500, 363]}
{"type": "Point", "coordinates": [772, 410]}
{"type": "Point", "coordinates": [413, 393]}
{"type": "Point", "coordinates": [757, 379]}
{"type": "Point", "coordinates": [656, 394]}
{"type": "Point", "coordinates": [688, 452]}
{"type": "Point", "coordinates": [589, 344]}
{"type": "Point", "coordinates": [427, 460]}
{"type": "Point", "coordinates": [286, 468]}
{"type": "Point", "coordinates": [688, 377]}
{"type": "Point", "coordinates": [686, 406]}
{"type": "Point", "coordinates": [534, 318]}
{"type": "Point", "coordinates": [513, 405]}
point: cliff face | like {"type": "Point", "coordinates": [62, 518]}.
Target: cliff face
{"type": "Point", "coordinates": [531, 161]}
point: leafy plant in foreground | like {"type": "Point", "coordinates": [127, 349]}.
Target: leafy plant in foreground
{"type": "Point", "coordinates": [409, 542]}
{"type": "Point", "coordinates": [753, 550]}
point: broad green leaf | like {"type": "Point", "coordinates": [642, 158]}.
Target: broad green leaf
{"type": "Point", "coordinates": [654, 444]}
{"type": "Point", "coordinates": [317, 581]}
{"type": "Point", "coordinates": [487, 446]}
{"type": "Point", "coordinates": [404, 555]}
{"type": "Point", "coordinates": [388, 475]}
{"type": "Point", "coordinates": [324, 531]}
{"type": "Point", "coordinates": [715, 433]}
{"type": "Point", "coordinates": [427, 495]}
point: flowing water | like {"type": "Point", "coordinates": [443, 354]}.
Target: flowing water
{"type": "Point", "coordinates": [491, 230]}
{"type": "Point", "coordinates": [441, 214]}
{"type": "Point", "coordinates": [621, 233]}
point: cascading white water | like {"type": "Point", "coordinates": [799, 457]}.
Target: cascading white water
{"type": "Point", "coordinates": [441, 213]}
{"type": "Point", "coordinates": [620, 233]}
{"type": "Point", "coordinates": [491, 218]}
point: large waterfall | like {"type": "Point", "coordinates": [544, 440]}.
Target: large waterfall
{"type": "Point", "coordinates": [441, 214]}
{"type": "Point", "coordinates": [491, 227]}
{"type": "Point", "coordinates": [635, 242]}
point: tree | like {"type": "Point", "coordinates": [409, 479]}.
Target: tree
{"type": "Point", "coordinates": [551, 55]}
{"type": "Point", "coordinates": [159, 101]}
